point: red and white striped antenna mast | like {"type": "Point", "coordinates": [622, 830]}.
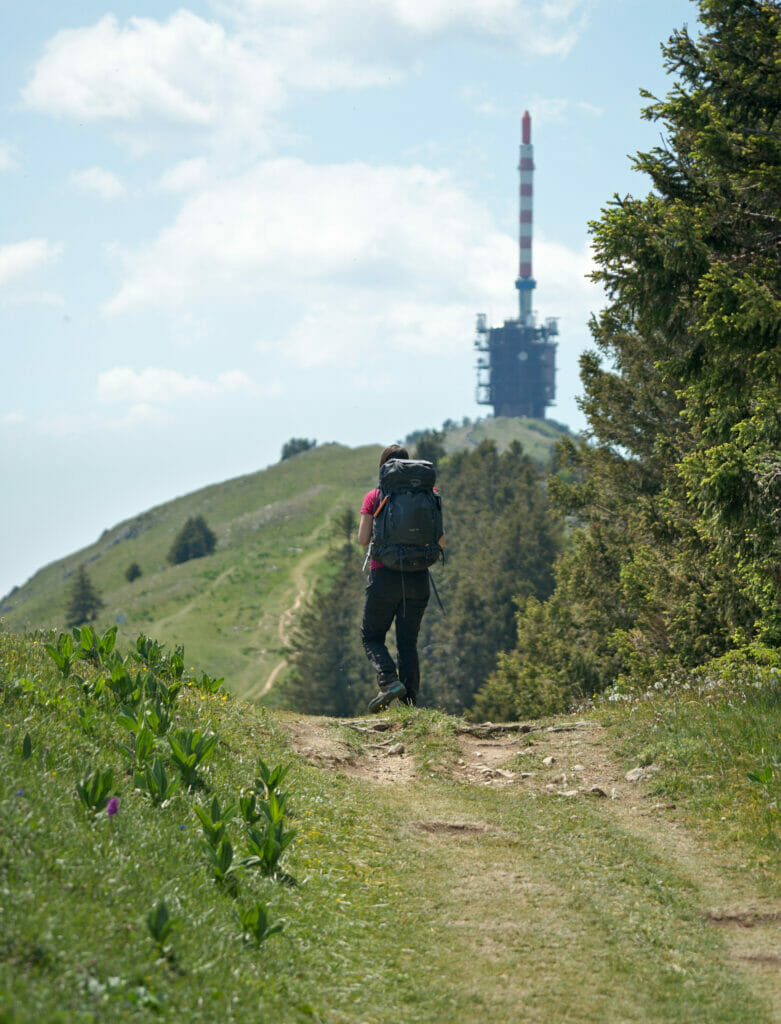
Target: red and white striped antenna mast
{"type": "Point", "coordinates": [525, 282]}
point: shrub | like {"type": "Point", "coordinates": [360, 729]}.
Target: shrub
{"type": "Point", "coordinates": [132, 572]}
{"type": "Point", "coordinates": [194, 540]}
{"type": "Point", "coordinates": [295, 446]}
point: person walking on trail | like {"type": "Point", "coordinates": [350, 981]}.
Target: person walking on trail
{"type": "Point", "coordinates": [402, 520]}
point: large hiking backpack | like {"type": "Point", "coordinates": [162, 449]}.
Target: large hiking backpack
{"type": "Point", "coordinates": [408, 519]}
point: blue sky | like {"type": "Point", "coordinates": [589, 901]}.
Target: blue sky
{"type": "Point", "coordinates": [231, 222]}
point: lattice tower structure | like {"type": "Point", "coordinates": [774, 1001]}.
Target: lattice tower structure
{"type": "Point", "coordinates": [516, 363]}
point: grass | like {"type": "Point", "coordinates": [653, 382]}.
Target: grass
{"type": "Point", "coordinates": [708, 736]}
{"type": "Point", "coordinates": [551, 912]}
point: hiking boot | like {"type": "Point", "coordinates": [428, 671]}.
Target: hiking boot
{"type": "Point", "coordinates": [387, 696]}
{"type": "Point", "coordinates": [411, 700]}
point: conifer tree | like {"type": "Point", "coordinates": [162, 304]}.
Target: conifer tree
{"type": "Point", "coordinates": [194, 540]}
{"type": "Point", "coordinates": [84, 601]}
{"type": "Point", "coordinates": [329, 673]}
{"type": "Point", "coordinates": [430, 445]}
{"type": "Point", "coordinates": [501, 544]}
{"type": "Point", "coordinates": [295, 446]}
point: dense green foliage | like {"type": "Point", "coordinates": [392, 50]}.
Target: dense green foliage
{"type": "Point", "coordinates": [295, 446]}
{"type": "Point", "coordinates": [430, 445]}
{"type": "Point", "coordinates": [502, 540]}
{"type": "Point", "coordinates": [84, 601]}
{"type": "Point", "coordinates": [678, 487]}
{"type": "Point", "coordinates": [195, 540]}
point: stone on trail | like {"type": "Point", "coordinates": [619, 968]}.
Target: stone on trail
{"type": "Point", "coordinates": [548, 761]}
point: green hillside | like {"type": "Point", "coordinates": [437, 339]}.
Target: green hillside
{"type": "Point", "coordinates": [273, 530]}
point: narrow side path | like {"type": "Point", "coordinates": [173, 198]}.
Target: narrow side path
{"type": "Point", "coordinates": [304, 582]}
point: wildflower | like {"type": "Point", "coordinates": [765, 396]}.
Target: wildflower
{"type": "Point", "coordinates": [112, 807]}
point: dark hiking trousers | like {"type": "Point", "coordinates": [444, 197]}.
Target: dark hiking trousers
{"type": "Point", "coordinates": [386, 601]}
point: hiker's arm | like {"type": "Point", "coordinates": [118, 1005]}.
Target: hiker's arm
{"type": "Point", "coordinates": [365, 529]}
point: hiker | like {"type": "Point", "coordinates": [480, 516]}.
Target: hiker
{"type": "Point", "coordinates": [397, 593]}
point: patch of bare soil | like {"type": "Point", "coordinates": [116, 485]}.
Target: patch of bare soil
{"type": "Point", "coordinates": [453, 828]}
{"type": "Point", "coordinates": [378, 758]}
{"type": "Point", "coordinates": [568, 760]}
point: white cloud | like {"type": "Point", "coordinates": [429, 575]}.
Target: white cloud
{"type": "Point", "coordinates": [7, 157]}
{"type": "Point", "coordinates": [547, 109]}
{"type": "Point", "coordinates": [155, 386]}
{"type": "Point", "coordinates": [185, 176]}
{"type": "Point", "coordinates": [21, 259]}
{"type": "Point", "coordinates": [354, 326]}
{"type": "Point", "coordinates": [394, 28]}
{"type": "Point", "coordinates": [12, 419]}
{"type": "Point", "coordinates": [146, 77]}
{"type": "Point", "coordinates": [285, 226]}
{"type": "Point", "coordinates": [388, 259]}
{"type": "Point", "coordinates": [99, 181]}
{"type": "Point", "coordinates": [564, 289]}
{"type": "Point", "coordinates": [141, 414]}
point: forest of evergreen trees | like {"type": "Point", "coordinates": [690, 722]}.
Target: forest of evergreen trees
{"type": "Point", "coordinates": [671, 557]}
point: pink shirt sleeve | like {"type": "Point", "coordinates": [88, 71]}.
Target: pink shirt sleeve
{"type": "Point", "coordinates": [370, 502]}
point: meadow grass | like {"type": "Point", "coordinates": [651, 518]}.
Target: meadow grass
{"type": "Point", "coordinates": [546, 910]}
{"type": "Point", "coordinates": [715, 738]}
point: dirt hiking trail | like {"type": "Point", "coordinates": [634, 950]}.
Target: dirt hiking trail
{"type": "Point", "coordinates": [570, 761]}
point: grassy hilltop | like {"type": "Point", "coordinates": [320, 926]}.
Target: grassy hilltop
{"type": "Point", "coordinates": [273, 530]}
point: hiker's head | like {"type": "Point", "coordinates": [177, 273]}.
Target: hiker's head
{"type": "Point", "coordinates": [393, 451]}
